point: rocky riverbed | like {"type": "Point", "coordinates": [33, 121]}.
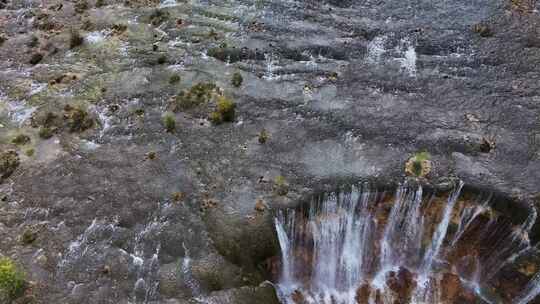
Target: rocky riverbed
{"type": "Point", "coordinates": [144, 144]}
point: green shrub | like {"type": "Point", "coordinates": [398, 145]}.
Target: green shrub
{"type": "Point", "coordinates": [263, 136]}
{"type": "Point", "coordinates": [174, 79]}
{"type": "Point", "coordinates": [416, 167]}
{"type": "Point", "coordinates": [78, 120]}
{"type": "Point", "coordinates": [46, 132]}
{"type": "Point", "coordinates": [12, 280]}
{"type": "Point", "coordinates": [81, 6]}
{"type": "Point", "coordinates": [100, 3]}
{"type": "Point", "coordinates": [162, 59]}
{"type": "Point", "coordinates": [197, 95]}
{"type": "Point", "coordinates": [32, 42]}
{"type": "Point", "coordinates": [419, 164]}
{"type": "Point", "coordinates": [280, 185]}
{"type": "Point", "coordinates": [215, 117]}
{"type": "Point", "coordinates": [158, 17]}
{"type": "Point", "coordinates": [483, 30]}
{"type": "Point", "coordinates": [21, 139]}
{"type": "Point", "coordinates": [139, 112]}
{"type": "Point", "coordinates": [35, 58]}
{"type": "Point", "coordinates": [75, 39]}
{"type": "Point", "coordinates": [169, 122]}
{"type": "Point", "coordinates": [237, 79]}
{"type": "Point", "coordinates": [151, 155]}
{"type": "Point", "coordinates": [9, 161]}
{"type": "Point", "coordinates": [224, 111]}
{"type": "Point", "coordinates": [29, 236]}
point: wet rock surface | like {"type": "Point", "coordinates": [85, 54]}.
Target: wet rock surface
{"type": "Point", "coordinates": [341, 90]}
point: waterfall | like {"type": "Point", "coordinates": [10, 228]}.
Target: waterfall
{"type": "Point", "coordinates": [363, 246]}
{"type": "Point", "coordinates": [440, 233]}
{"type": "Point", "coordinates": [531, 290]}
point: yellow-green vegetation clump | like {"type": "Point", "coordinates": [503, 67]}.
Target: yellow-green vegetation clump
{"type": "Point", "coordinates": [263, 136]}
{"type": "Point", "coordinates": [21, 139]}
{"type": "Point", "coordinates": [225, 111]}
{"type": "Point", "coordinates": [169, 122]}
{"type": "Point", "coordinates": [280, 186]}
{"type": "Point", "coordinates": [198, 94]}
{"type": "Point", "coordinates": [12, 280]}
{"type": "Point", "coordinates": [418, 165]}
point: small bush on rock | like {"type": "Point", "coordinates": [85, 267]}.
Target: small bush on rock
{"type": "Point", "coordinates": [224, 112]}
{"type": "Point", "coordinates": [77, 119]}
{"type": "Point", "coordinates": [9, 161]}
{"type": "Point", "coordinates": [418, 165]}
{"type": "Point", "coordinates": [483, 30]}
{"type": "Point", "coordinates": [32, 42]}
{"type": "Point", "coordinates": [162, 59]}
{"type": "Point", "coordinates": [263, 136]}
{"type": "Point", "coordinates": [237, 79]}
{"type": "Point", "coordinates": [280, 186]}
{"type": "Point", "coordinates": [75, 39]}
{"type": "Point", "coordinates": [12, 280]}
{"type": "Point", "coordinates": [46, 132]}
{"type": "Point", "coordinates": [35, 58]}
{"type": "Point", "coordinates": [174, 79]}
{"type": "Point", "coordinates": [21, 139]}
{"type": "Point", "coordinates": [158, 17]}
{"type": "Point", "coordinates": [81, 6]}
{"type": "Point", "coordinates": [169, 122]}
{"type": "Point", "coordinates": [198, 94]}
{"type": "Point", "coordinates": [28, 236]}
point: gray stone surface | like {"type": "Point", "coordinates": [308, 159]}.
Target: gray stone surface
{"type": "Point", "coordinates": [347, 90]}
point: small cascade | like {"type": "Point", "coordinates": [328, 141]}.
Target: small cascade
{"type": "Point", "coordinates": [376, 49]}
{"type": "Point", "coordinates": [362, 247]}
{"type": "Point", "coordinates": [187, 274]}
{"type": "Point", "coordinates": [408, 62]}
{"type": "Point", "coordinates": [270, 61]}
{"type": "Point", "coordinates": [440, 233]}
{"type": "Point", "coordinates": [88, 247]}
{"type": "Point", "coordinates": [145, 259]}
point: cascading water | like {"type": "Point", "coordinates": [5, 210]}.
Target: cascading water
{"type": "Point", "coordinates": [362, 246]}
